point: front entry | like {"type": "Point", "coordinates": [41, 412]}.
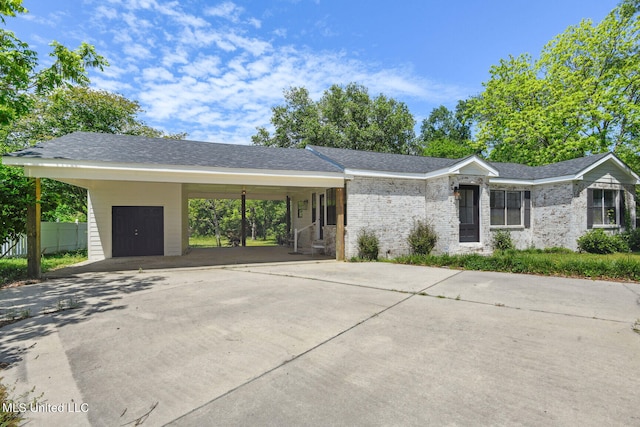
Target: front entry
{"type": "Point", "coordinates": [469, 213]}
{"type": "Point", "coordinates": [137, 230]}
{"type": "Point", "coordinates": [321, 224]}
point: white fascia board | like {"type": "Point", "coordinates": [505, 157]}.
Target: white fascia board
{"type": "Point", "coordinates": [46, 168]}
{"type": "Point", "coordinates": [383, 174]}
{"type": "Point", "coordinates": [491, 171]}
{"type": "Point", "coordinates": [618, 163]}
{"type": "Point", "coordinates": [515, 181]}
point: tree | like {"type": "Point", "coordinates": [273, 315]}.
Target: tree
{"type": "Point", "coordinates": [64, 111]}
{"type": "Point", "coordinates": [345, 117]}
{"type": "Point", "coordinates": [20, 79]}
{"type": "Point", "coordinates": [20, 76]}
{"type": "Point", "coordinates": [581, 96]}
{"type": "Point", "coordinates": [266, 218]}
{"type": "Point", "coordinates": [446, 134]}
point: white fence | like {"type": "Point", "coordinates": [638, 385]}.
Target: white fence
{"type": "Point", "coordinates": [56, 237]}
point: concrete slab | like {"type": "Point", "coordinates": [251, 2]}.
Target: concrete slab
{"type": "Point", "coordinates": [407, 278]}
{"type": "Point", "coordinates": [325, 343]}
{"type": "Point", "coordinates": [444, 362]}
{"type": "Point", "coordinates": [197, 257]}
{"type": "Point", "coordinates": [588, 298]}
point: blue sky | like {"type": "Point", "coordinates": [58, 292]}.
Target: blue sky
{"type": "Point", "coordinates": [214, 69]}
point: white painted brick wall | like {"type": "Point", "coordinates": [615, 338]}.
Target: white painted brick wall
{"type": "Point", "coordinates": [388, 207]}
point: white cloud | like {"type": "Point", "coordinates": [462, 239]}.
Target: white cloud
{"type": "Point", "coordinates": [106, 12]}
{"type": "Point", "coordinates": [218, 83]}
{"type": "Point", "coordinates": [137, 51]}
{"type": "Point", "coordinates": [227, 10]}
{"type": "Point", "coordinates": [254, 22]}
{"type": "Point", "coordinates": [157, 74]}
{"type": "Point", "coordinates": [203, 66]}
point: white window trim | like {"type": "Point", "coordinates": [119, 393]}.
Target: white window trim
{"type": "Point", "coordinates": [520, 226]}
{"type": "Point", "coordinates": [616, 202]}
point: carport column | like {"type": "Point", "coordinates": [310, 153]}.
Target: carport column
{"type": "Point", "coordinates": [340, 224]}
{"type": "Point", "coordinates": [288, 217]}
{"type": "Point", "coordinates": [243, 227]}
{"type": "Point", "coordinates": [34, 267]}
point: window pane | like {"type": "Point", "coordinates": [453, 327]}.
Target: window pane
{"type": "Point", "coordinates": [497, 199]}
{"type": "Point", "coordinates": [466, 206]}
{"type": "Point", "coordinates": [496, 203]}
{"type": "Point", "coordinates": [597, 214]}
{"type": "Point", "coordinates": [497, 216]}
{"type": "Point", "coordinates": [609, 198]}
{"type": "Point", "coordinates": [597, 198]}
{"type": "Point", "coordinates": [331, 206]}
{"type": "Point", "coordinates": [514, 203]}
{"type": "Point", "coordinates": [610, 206]}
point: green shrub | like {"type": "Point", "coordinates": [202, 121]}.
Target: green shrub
{"type": "Point", "coordinates": [598, 242]}
{"type": "Point", "coordinates": [368, 245]}
{"type": "Point", "coordinates": [502, 241]}
{"type": "Point", "coordinates": [633, 239]}
{"type": "Point", "coordinates": [422, 238]}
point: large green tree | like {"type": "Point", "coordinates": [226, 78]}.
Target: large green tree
{"type": "Point", "coordinates": [581, 96]}
{"type": "Point", "coordinates": [21, 80]}
{"type": "Point", "coordinates": [64, 111]}
{"type": "Point", "coordinates": [345, 117]}
{"type": "Point", "coordinates": [446, 133]}
{"type": "Point", "coordinates": [21, 75]}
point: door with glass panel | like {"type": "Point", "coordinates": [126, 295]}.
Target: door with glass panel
{"type": "Point", "coordinates": [469, 213]}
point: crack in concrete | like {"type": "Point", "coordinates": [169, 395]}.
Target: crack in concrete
{"type": "Point", "coordinates": [322, 343]}
{"type": "Point", "coordinates": [411, 294]}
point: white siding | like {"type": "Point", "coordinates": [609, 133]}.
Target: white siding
{"type": "Point", "coordinates": [103, 195]}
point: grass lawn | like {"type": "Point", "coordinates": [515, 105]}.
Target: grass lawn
{"type": "Point", "coordinates": [15, 269]}
{"type": "Point", "coordinates": [620, 266]}
{"type": "Point", "coordinates": [210, 242]}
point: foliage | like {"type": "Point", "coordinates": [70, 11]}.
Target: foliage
{"type": "Point", "coordinates": [345, 117]}
{"type": "Point", "coordinates": [598, 242]}
{"type": "Point", "coordinates": [422, 238]}
{"type": "Point", "coordinates": [368, 245]}
{"type": "Point", "coordinates": [64, 111]}
{"type": "Point", "coordinates": [222, 218]}
{"type": "Point", "coordinates": [581, 96]}
{"type": "Point", "coordinates": [21, 81]}
{"type": "Point", "coordinates": [8, 418]}
{"type": "Point", "coordinates": [13, 269]}
{"type": "Point", "coordinates": [632, 238]}
{"type": "Point", "coordinates": [447, 134]}
{"type": "Point", "coordinates": [20, 75]}
{"type": "Point", "coordinates": [550, 263]}
{"type": "Point", "coordinates": [502, 240]}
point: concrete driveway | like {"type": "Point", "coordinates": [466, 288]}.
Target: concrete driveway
{"type": "Point", "coordinates": [325, 343]}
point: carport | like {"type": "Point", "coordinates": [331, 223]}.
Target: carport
{"type": "Point", "coordinates": [139, 187]}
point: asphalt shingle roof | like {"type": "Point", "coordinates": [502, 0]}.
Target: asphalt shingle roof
{"type": "Point", "coordinates": [567, 167]}
{"type": "Point", "coordinates": [110, 148]}
{"type": "Point", "coordinates": [384, 162]}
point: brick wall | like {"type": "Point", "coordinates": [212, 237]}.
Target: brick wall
{"type": "Point", "coordinates": [388, 207]}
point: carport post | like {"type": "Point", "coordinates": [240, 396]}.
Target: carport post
{"type": "Point", "coordinates": [340, 224]}
{"type": "Point", "coordinates": [243, 228]}
{"type": "Point", "coordinates": [34, 266]}
{"type": "Point", "coordinates": [288, 217]}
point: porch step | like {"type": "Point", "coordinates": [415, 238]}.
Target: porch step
{"type": "Point", "coordinates": [317, 245]}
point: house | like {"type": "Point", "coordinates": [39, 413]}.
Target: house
{"type": "Point", "coordinates": [138, 192]}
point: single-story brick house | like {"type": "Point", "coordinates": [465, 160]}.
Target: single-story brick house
{"type": "Point", "coordinates": [138, 192]}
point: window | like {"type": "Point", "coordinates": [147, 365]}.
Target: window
{"type": "Point", "coordinates": [331, 207]}
{"type": "Point", "coordinates": [603, 207]}
{"type": "Point", "coordinates": [506, 207]}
